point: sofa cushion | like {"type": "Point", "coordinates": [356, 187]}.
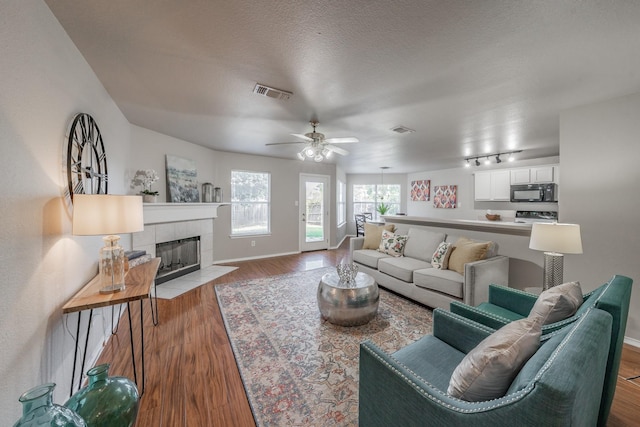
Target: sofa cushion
{"type": "Point", "coordinates": [445, 281]}
{"type": "Point", "coordinates": [373, 234]}
{"type": "Point", "coordinates": [368, 257]}
{"type": "Point", "coordinates": [491, 251]}
{"type": "Point", "coordinates": [557, 303]}
{"type": "Point", "coordinates": [422, 243]}
{"type": "Point", "coordinates": [488, 370]}
{"type": "Point", "coordinates": [440, 258]}
{"type": "Point", "coordinates": [401, 268]}
{"type": "Point", "coordinates": [464, 251]}
{"type": "Point", "coordinates": [392, 244]}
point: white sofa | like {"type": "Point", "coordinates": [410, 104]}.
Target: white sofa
{"type": "Point", "coordinates": [413, 276]}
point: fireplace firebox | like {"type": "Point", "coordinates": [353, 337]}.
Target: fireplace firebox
{"type": "Point", "coordinates": [178, 257]}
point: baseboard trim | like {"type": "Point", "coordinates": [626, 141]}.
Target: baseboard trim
{"type": "Point", "coordinates": [631, 341]}
{"type": "Point", "coordinates": [223, 261]}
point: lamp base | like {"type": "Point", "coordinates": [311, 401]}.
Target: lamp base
{"type": "Point", "coordinates": [553, 269]}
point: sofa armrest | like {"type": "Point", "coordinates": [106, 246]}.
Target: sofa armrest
{"type": "Point", "coordinates": [355, 244]}
{"type": "Point", "coordinates": [478, 315]}
{"type": "Point", "coordinates": [479, 275]}
{"type": "Point", "coordinates": [512, 299]}
{"type": "Point", "coordinates": [458, 331]}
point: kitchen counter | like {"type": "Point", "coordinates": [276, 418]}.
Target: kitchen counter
{"type": "Point", "coordinates": [500, 227]}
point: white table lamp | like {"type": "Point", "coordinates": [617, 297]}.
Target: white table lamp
{"type": "Point", "coordinates": [106, 214]}
{"type": "Point", "coordinates": [555, 239]}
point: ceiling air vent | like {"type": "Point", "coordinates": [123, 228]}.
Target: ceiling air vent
{"type": "Point", "coordinates": [402, 129]}
{"type": "Point", "coordinates": [271, 92]}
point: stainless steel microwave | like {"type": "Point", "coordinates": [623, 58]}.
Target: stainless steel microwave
{"type": "Point", "coordinates": [534, 193]}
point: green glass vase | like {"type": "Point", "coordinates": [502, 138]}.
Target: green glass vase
{"type": "Point", "coordinates": [39, 410]}
{"type": "Point", "coordinates": [106, 401]}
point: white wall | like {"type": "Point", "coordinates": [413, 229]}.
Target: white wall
{"type": "Point", "coordinates": [149, 149]}
{"type": "Point", "coordinates": [600, 151]}
{"type": "Point", "coordinates": [45, 82]}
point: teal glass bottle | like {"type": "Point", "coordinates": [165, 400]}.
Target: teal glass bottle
{"type": "Point", "coordinates": [106, 401]}
{"type": "Point", "coordinates": [39, 410]}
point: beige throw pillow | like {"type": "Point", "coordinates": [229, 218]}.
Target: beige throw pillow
{"type": "Point", "coordinates": [557, 303]}
{"type": "Point", "coordinates": [466, 250]}
{"type": "Point", "coordinates": [373, 234]}
{"type": "Point", "coordinates": [488, 370]}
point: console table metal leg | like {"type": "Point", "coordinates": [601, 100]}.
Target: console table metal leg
{"type": "Point", "coordinates": [154, 313]}
{"type": "Point", "coordinates": [75, 353]}
{"type": "Point", "coordinates": [86, 344]}
{"type": "Point", "coordinates": [133, 354]}
{"type": "Point", "coordinates": [142, 344]}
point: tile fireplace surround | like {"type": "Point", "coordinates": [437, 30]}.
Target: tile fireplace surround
{"type": "Point", "coordinates": [164, 222]}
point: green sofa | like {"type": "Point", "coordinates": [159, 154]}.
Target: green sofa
{"type": "Point", "coordinates": [506, 305]}
{"type": "Point", "coordinates": [560, 385]}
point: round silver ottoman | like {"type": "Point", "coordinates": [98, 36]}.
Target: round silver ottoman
{"type": "Point", "coordinates": [348, 304]}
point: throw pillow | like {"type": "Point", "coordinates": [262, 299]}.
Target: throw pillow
{"type": "Point", "coordinates": [392, 244]}
{"type": "Point", "coordinates": [486, 372]}
{"type": "Point", "coordinates": [466, 250]}
{"type": "Point", "coordinates": [373, 234]}
{"type": "Point", "coordinates": [557, 303]}
{"type": "Point", "coordinates": [440, 258]}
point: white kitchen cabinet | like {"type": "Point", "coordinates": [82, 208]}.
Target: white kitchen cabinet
{"type": "Point", "coordinates": [520, 176]}
{"type": "Point", "coordinates": [492, 185]}
{"type": "Point", "coordinates": [541, 175]}
{"type": "Point", "coordinates": [534, 175]}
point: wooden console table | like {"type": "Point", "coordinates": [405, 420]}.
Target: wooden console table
{"type": "Point", "coordinates": [138, 282]}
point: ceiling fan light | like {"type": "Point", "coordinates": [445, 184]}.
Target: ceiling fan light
{"type": "Point", "coordinates": [318, 158]}
{"type": "Point", "coordinates": [329, 154]}
{"type": "Point", "coordinates": [309, 151]}
{"type": "Point", "coordinates": [301, 156]}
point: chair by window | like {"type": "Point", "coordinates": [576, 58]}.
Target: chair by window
{"type": "Point", "coordinates": [360, 220]}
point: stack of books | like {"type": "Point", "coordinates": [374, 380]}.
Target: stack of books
{"type": "Point", "coordinates": [137, 257]}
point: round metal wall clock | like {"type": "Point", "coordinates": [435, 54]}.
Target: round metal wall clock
{"type": "Point", "coordinates": [86, 158]}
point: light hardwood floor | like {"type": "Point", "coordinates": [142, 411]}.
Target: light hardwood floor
{"type": "Point", "coordinates": [191, 375]}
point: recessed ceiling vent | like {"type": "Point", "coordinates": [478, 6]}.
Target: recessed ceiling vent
{"type": "Point", "coordinates": [271, 92]}
{"type": "Point", "coordinates": [402, 129]}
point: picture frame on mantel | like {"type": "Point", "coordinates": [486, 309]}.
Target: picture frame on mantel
{"type": "Point", "coordinates": [182, 180]}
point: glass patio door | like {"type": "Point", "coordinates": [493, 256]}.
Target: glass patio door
{"type": "Point", "coordinates": [314, 212]}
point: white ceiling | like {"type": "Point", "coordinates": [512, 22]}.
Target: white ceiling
{"type": "Point", "coordinates": [469, 76]}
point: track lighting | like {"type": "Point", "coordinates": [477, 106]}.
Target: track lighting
{"type": "Point", "coordinates": [487, 158]}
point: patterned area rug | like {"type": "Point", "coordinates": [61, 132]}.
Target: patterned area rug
{"type": "Point", "coordinates": [297, 369]}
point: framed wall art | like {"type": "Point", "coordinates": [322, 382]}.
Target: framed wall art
{"type": "Point", "coordinates": [182, 180]}
{"type": "Point", "coordinates": [421, 190]}
{"type": "Point", "coordinates": [445, 196]}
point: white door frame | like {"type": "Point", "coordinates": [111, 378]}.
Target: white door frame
{"type": "Point", "coordinates": [322, 244]}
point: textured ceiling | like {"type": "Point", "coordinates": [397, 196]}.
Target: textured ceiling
{"type": "Point", "coordinates": [469, 76]}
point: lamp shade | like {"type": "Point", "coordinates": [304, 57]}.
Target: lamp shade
{"type": "Point", "coordinates": [100, 214]}
{"type": "Point", "coordinates": [555, 237]}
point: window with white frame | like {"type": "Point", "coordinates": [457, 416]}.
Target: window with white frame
{"type": "Point", "coordinates": [342, 203]}
{"type": "Point", "coordinates": [250, 203]}
{"type": "Point", "coordinates": [369, 198]}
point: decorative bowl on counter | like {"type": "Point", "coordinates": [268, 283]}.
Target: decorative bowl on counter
{"type": "Point", "coordinates": [493, 217]}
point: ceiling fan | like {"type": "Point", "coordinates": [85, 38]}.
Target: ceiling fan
{"type": "Point", "coordinates": [317, 146]}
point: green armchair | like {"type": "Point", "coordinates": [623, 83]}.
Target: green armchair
{"type": "Point", "coordinates": [507, 304]}
{"type": "Point", "coordinates": [408, 388]}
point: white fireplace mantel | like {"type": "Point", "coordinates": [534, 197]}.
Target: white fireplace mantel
{"type": "Point", "coordinates": [156, 213]}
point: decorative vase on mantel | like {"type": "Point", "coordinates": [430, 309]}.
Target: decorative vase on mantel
{"type": "Point", "coordinates": [39, 410]}
{"type": "Point", "coordinates": [149, 198]}
{"type": "Point", "coordinates": [106, 401]}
